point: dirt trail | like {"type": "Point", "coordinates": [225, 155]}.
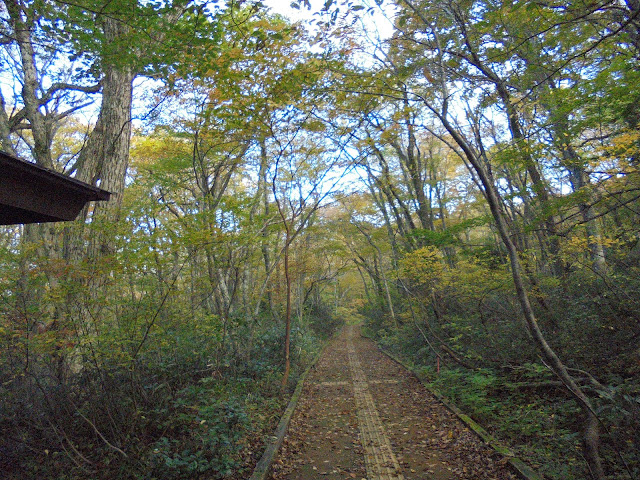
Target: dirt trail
{"type": "Point", "coordinates": [363, 416]}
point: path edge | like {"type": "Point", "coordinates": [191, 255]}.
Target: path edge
{"type": "Point", "coordinates": [522, 469]}
{"type": "Point", "coordinates": [274, 442]}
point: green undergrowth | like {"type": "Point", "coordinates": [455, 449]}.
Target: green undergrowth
{"type": "Point", "coordinates": [207, 427]}
{"type": "Point", "coordinates": [189, 406]}
{"type": "Point", "coordinates": [521, 406]}
{"type": "Point", "coordinates": [535, 427]}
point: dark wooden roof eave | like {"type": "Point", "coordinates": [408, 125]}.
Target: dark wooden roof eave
{"type": "Point", "coordinates": [31, 194]}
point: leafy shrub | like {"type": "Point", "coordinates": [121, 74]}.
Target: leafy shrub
{"type": "Point", "coordinates": [200, 439]}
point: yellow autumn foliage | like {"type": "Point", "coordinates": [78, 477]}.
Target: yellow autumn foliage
{"type": "Point", "coordinates": [422, 266]}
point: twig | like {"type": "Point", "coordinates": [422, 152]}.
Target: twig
{"type": "Point", "coordinates": [95, 429]}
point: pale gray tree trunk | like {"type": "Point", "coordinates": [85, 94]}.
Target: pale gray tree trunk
{"type": "Point", "coordinates": [580, 180]}
{"type": "Point", "coordinates": [591, 435]}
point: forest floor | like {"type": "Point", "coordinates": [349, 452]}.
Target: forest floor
{"type": "Point", "coordinates": [363, 416]}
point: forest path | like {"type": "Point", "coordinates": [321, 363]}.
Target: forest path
{"type": "Point", "coordinates": [363, 416]}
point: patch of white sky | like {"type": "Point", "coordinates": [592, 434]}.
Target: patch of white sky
{"type": "Point", "coordinates": [374, 22]}
{"type": "Point", "coordinates": [369, 28]}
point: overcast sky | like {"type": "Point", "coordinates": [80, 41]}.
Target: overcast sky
{"type": "Point", "coordinates": [283, 7]}
{"type": "Point", "coordinates": [379, 21]}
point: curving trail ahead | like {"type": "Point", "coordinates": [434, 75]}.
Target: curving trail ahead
{"type": "Point", "coordinates": [363, 416]}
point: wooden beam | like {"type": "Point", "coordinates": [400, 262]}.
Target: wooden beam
{"type": "Point", "coordinates": [30, 193]}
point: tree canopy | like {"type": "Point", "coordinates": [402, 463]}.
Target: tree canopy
{"type": "Point", "coordinates": [466, 186]}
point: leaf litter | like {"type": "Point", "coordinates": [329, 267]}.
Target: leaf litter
{"type": "Point", "coordinates": [323, 439]}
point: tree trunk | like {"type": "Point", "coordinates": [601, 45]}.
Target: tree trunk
{"type": "Point", "coordinates": [5, 129]}
{"type": "Point", "coordinates": [591, 437]}
{"type": "Point", "coordinates": [105, 157]}
{"type": "Point", "coordinates": [287, 337]}
{"type": "Point", "coordinates": [580, 180]}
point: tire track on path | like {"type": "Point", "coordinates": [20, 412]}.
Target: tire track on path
{"type": "Point", "coordinates": [362, 416]}
{"type": "Point", "coordinates": [380, 461]}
